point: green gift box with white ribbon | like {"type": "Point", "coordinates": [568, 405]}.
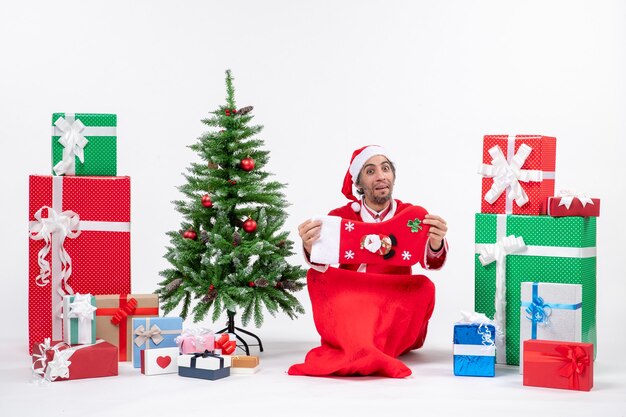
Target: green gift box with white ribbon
{"type": "Point", "coordinates": [84, 144]}
{"type": "Point", "coordinates": [511, 249]}
{"type": "Point", "coordinates": [79, 319]}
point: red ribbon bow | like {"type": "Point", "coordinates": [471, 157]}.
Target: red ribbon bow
{"type": "Point", "coordinates": [228, 346]}
{"type": "Point", "coordinates": [123, 312]}
{"type": "Point", "coordinates": [576, 362]}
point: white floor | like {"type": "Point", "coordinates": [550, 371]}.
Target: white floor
{"type": "Point", "coordinates": [431, 390]}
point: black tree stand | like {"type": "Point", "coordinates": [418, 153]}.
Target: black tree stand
{"type": "Point", "coordinates": [231, 328]}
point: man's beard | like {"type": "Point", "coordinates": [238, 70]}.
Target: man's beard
{"type": "Point", "coordinates": [381, 199]}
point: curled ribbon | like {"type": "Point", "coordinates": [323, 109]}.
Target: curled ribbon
{"type": "Point", "coordinates": [122, 313]}
{"type": "Point", "coordinates": [66, 224]}
{"type": "Point", "coordinates": [483, 321]}
{"type": "Point", "coordinates": [144, 336]}
{"type": "Point", "coordinates": [497, 253]}
{"type": "Point", "coordinates": [58, 367]}
{"type": "Point", "coordinates": [568, 196]}
{"type": "Point", "coordinates": [538, 311]}
{"type": "Point", "coordinates": [508, 175]}
{"type": "Point", "coordinates": [73, 143]}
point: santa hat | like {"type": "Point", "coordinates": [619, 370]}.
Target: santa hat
{"type": "Point", "coordinates": [359, 157]}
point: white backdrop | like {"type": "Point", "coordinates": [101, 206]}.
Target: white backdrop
{"type": "Point", "coordinates": [425, 79]}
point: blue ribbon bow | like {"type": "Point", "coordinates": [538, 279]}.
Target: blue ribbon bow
{"type": "Point", "coordinates": [538, 311]}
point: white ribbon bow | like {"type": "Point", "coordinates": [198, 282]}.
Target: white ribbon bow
{"type": "Point", "coordinates": [73, 143]}
{"type": "Point", "coordinates": [567, 196]}
{"type": "Point", "coordinates": [81, 308]}
{"type": "Point", "coordinates": [58, 367]}
{"type": "Point", "coordinates": [508, 175]}
{"type": "Point", "coordinates": [497, 253]}
{"type": "Point", "coordinates": [144, 336]}
{"type": "Point", "coordinates": [66, 224]}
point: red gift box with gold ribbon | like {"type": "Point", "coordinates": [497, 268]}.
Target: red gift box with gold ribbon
{"type": "Point", "coordinates": [558, 364]}
{"type": "Point", "coordinates": [114, 316]}
{"type": "Point", "coordinates": [518, 173]}
{"type": "Point", "coordinates": [79, 243]}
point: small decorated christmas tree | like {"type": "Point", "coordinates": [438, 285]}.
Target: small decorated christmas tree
{"type": "Point", "coordinates": [230, 254]}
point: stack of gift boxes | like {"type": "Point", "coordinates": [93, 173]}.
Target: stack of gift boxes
{"type": "Point", "coordinates": [82, 318]}
{"type": "Point", "coordinates": [535, 264]}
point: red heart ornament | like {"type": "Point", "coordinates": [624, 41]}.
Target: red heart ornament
{"type": "Point", "coordinates": [164, 361]}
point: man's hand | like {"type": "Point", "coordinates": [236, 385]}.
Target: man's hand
{"type": "Point", "coordinates": [309, 232]}
{"type": "Point", "coordinates": [438, 230]}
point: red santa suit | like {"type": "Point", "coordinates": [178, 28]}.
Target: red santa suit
{"type": "Point", "coordinates": [368, 315]}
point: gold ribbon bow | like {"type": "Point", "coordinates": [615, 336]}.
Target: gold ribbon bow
{"type": "Point", "coordinates": [144, 336]}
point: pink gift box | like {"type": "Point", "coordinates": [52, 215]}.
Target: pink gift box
{"type": "Point", "coordinates": [196, 341]}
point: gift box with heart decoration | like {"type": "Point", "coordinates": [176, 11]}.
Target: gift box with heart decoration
{"type": "Point", "coordinates": [159, 361]}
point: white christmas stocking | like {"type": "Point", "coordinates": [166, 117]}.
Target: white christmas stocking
{"type": "Point", "coordinates": [399, 241]}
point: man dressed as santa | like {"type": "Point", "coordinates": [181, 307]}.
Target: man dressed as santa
{"type": "Point", "coordinates": [368, 306]}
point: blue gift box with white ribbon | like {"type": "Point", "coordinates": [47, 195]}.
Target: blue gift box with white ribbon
{"type": "Point", "coordinates": [550, 311]}
{"type": "Point", "coordinates": [474, 349]}
{"type": "Point", "coordinates": [153, 333]}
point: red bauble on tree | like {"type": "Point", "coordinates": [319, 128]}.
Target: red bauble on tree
{"type": "Point", "coordinates": [206, 201]}
{"type": "Point", "coordinates": [251, 284]}
{"type": "Point", "coordinates": [249, 225]}
{"type": "Point", "coordinates": [247, 164]}
{"type": "Point", "coordinates": [190, 234]}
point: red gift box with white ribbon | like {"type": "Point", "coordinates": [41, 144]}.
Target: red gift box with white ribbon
{"type": "Point", "coordinates": [79, 243]}
{"type": "Point", "coordinates": [569, 203]}
{"type": "Point", "coordinates": [518, 173]}
{"type": "Point", "coordinates": [58, 361]}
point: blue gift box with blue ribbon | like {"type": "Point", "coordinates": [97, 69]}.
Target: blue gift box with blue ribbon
{"type": "Point", "coordinates": [550, 311]}
{"type": "Point", "coordinates": [474, 349]}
